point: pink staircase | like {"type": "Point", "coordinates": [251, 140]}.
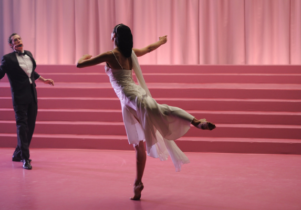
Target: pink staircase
{"type": "Point", "coordinates": [257, 109]}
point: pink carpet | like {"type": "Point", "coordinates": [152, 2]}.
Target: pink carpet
{"type": "Point", "coordinates": [102, 179]}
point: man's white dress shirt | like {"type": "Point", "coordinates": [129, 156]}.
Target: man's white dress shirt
{"type": "Point", "coordinates": [26, 64]}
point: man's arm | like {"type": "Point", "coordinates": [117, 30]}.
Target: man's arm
{"type": "Point", "coordinates": [151, 47]}
{"type": "Point", "coordinates": [46, 81]}
{"type": "Point", "coordinates": [36, 75]}
{"type": "Point", "coordinates": [2, 68]}
{"type": "Point", "coordinates": [2, 73]}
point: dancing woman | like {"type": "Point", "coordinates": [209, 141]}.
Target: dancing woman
{"type": "Point", "coordinates": [144, 119]}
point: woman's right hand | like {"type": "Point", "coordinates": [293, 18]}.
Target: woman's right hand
{"type": "Point", "coordinates": [86, 57]}
{"type": "Point", "coordinates": [82, 60]}
{"type": "Point", "coordinates": [163, 39]}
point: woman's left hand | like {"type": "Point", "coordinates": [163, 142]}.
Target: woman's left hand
{"type": "Point", "coordinates": [163, 39]}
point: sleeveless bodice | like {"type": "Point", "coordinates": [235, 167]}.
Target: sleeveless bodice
{"type": "Point", "coordinates": [124, 86]}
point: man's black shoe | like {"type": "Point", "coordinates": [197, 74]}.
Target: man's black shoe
{"type": "Point", "coordinates": [18, 159]}
{"type": "Point", "coordinates": [26, 164]}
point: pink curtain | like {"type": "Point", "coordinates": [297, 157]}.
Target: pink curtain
{"type": "Point", "coordinates": [199, 31]}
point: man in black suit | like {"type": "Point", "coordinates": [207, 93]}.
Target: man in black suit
{"type": "Point", "coordinates": [20, 69]}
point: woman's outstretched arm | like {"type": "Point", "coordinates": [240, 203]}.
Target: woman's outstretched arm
{"type": "Point", "coordinates": [151, 47]}
{"type": "Point", "coordinates": [87, 60]}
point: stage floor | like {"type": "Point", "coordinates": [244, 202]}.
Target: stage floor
{"type": "Point", "coordinates": [74, 179]}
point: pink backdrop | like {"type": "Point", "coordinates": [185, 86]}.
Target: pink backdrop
{"type": "Point", "coordinates": [199, 31]}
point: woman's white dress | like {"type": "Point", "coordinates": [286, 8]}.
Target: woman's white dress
{"type": "Point", "coordinates": [146, 120]}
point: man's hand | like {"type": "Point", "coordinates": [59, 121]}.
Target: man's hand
{"type": "Point", "coordinates": [47, 81]}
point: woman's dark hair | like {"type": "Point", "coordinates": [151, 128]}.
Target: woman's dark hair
{"type": "Point", "coordinates": [123, 39]}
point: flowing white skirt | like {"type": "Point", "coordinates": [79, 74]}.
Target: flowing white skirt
{"type": "Point", "coordinates": [146, 120]}
{"type": "Point", "coordinates": [158, 125]}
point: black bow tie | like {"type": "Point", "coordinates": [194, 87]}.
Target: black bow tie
{"type": "Point", "coordinates": [20, 53]}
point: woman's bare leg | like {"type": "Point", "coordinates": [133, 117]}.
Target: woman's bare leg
{"type": "Point", "coordinates": [140, 165]}
{"type": "Point", "coordinates": [141, 160]}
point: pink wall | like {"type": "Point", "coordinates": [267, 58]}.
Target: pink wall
{"type": "Point", "coordinates": [199, 31]}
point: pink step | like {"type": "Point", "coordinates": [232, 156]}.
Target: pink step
{"type": "Point", "coordinates": [117, 128]}
{"type": "Point", "coordinates": [268, 69]}
{"type": "Point", "coordinates": [112, 115]}
{"type": "Point", "coordinates": [181, 78]}
{"type": "Point", "coordinates": [187, 144]}
{"type": "Point", "coordinates": [70, 141]}
{"type": "Point", "coordinates": [186, 104]}
{"type": "Point", "coordinates": [170, 91]}
{"type": "Point", "coordinates": [256, 108]}
{"type": "Point", "coordinates": [105, 115]}
{"type": "Point", "coordinates": [236, 69]}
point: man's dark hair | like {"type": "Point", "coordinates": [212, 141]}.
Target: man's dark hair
{"type": "Point", "coordinates": [9, 39]}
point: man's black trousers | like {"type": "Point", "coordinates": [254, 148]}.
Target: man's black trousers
{"type": "Point", "coordinates": [25, 115]}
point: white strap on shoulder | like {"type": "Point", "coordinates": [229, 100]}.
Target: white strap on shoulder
{"type": "Point", "coordinates": [116, 59]}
